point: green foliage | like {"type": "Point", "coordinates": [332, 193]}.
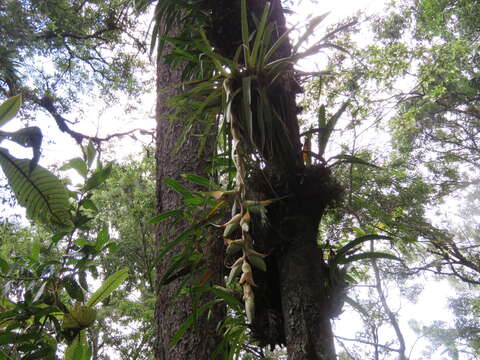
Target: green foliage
{"type": "Point", "coordinates": [10, 108]}
{"type": "Point", "coordinates": [79, 349]}
{"type": "Point", "coordinates": [124, 207]}
{"type": "Point", "coordinates": [78, 318]}
{"type": "Point", "coordinates": [438, 116]}
{"type": "Point", "coordinates": [41, 192]}
{"type": "Point", "coordinates": [45, 276]}
{"type": "Point", "coordinates": [414, 90]}
{"type": "Point", "coordinates": [48, 282]}
{"type": "Point", "coordinates": [238, 83]}
{"type": "Point", "coordinates": [82, 41]}
{"type": "Point", "coordinates": [110, 284]}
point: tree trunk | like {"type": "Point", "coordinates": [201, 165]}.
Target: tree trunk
{"type": "Point", "coordinates": [305, 307]}
{"type": "Point", "coordinates": [200, 341]}
{"type": "Point", "coordinates": [295, 292]}
{"type": "Point", "coordinates": [296, 273]}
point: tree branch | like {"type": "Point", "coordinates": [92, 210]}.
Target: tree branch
{"type": "Point", "coordinates": [47, 104]}
{"type": "Point", "coordinates": [368, 343]}
{"type": "Point", "coordinates": [390, 314]}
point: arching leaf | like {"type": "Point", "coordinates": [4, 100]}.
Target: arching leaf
{"type": "Point", "coordinates": [368, 255]}
{"type": "Point", "coordinates": [350, 245]}
{"type": "Point", "coordinates": [41, 192]}
{"type": "Point", "coordinates": [354, 304]}
{"type": "Point", "coordinates": [109, 285]}
{"type": "Point", "coordinates": [190, 320]}
{"type": "Point", "coordinates": [351, 160]}
{"type": "Point", "coordinates": [78, 164]}
{"type": "Point", "coordinates": [10, 108]}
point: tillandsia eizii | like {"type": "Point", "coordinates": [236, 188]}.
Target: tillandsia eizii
{"type": "Point", "coordinates": [242, 210]}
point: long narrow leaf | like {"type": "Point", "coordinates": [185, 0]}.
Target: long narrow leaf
{"type": "Point", "coordinates": [284, 37]}
{"type": "Point", "coordinates": [212, 55]}
{"type": "Point", "coordinates": [165, 215]}
{"type": "Point", "coordinates": [245, 32]}
{"type": "Point", "coordinates": [309, 31]}
{"type": "Point", "coordinates": [247, 109]}
{"type": "Point", "coordinates": [109, 285]}
{"type": "Point", "coordinates": [199, 180]}
{"type": "Point", "coordinates": [259, 38]}
{"type": "Point", "coordinates": [224, 294]}
{"type": "Point", "coordinates": [359, 241]}
{"type": "Point", "coordinates": [330, 126]}
{"type": "Point", "coordinates": [261, 122]}
{"type": "Point", "coordinates": [190, 320]}
{"type": "Point", "coordinates": [351, 160]}
{"type": "Point", "coordinates": [182, 237]}
{"type": "Point", "coordinates": [368, 255]}
{"type": "Point", "coordinates": [357, 306]}
{"type": "Point", "coordinates": [178, 187]}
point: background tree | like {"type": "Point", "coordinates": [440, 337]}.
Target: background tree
{"type": "Point", "coordinates": [57, 52]}
{"type": "Point", "coordinates": [410, 78]}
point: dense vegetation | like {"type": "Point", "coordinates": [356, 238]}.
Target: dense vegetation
{"type": "Point", "coordinates": [264, 221]}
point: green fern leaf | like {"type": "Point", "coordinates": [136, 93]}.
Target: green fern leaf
{"type": "Point", "coordinates": [41, 192]}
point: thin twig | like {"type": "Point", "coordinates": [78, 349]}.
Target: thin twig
{"type": "Point", "coordinates": [367, 343]}
{"type": "Point", "coordinates": [387, 309]}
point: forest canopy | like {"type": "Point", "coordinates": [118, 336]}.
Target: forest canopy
{"type": "Point", "coordinates": [311, 183]}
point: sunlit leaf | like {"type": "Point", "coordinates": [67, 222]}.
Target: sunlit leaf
{"type": "Point", "coordinates": [78, 164]}
{"type": "Point", "coordinates": [98, 177]}
{"type": "Point", "coordinates": [10, 108]}
{"type": "Point", "coordinates": [109, 285]}
{"type": "Point", "coordinates": [41, 192]}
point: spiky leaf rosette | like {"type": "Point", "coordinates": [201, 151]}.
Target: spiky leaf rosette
{"type": "Point", "coordinates": [41, 192]}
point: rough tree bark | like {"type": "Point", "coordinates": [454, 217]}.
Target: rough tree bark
{"type": "Point", "coordinates": [201, 340]}
{"type": "Point", "coordinates": [296, 295]}
{"type": "Point", "coordinates": [293, 294]}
